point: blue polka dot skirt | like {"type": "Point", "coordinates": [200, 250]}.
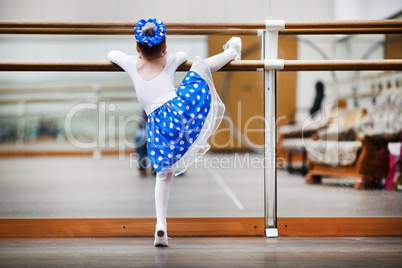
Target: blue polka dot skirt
{"type": "Point", "coordinates": [177, 131]}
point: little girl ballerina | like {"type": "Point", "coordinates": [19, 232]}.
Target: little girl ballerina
{"type": "Point", "coordinates": [179, 121]}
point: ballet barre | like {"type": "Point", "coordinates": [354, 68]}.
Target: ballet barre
{"type": "Point", "coordinates": [204, 24]}
{"type": "Point", "coordinates": [127, 31]}
{"type": "Point", "coordinates": [85, 31]}
{"type": "Point", "coordinates": [243, 65]}
{"type": "Point", "coordinates": [201, 28]}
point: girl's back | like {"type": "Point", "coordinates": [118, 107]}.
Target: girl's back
{"type": "Point", "coordinates": [150, 69]}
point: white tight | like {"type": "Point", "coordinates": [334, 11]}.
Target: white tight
{"type": "Point", "coordinates": [164, 179]}
{"type": "Point", "coordinates": [162, 189]}
{"type": "Point", "coordinates": [215, 62]}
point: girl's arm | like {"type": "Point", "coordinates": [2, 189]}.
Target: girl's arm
{"type": "Point", "coordinates": [180, 58]}
{"type": "Point", "coordinates": [120, 58]}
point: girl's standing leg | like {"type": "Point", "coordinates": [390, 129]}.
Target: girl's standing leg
{"type": "Point", "coordinates": [162, 188]}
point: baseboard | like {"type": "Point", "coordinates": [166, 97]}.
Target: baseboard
{"type": "Point", "coordinates": [132, 227]}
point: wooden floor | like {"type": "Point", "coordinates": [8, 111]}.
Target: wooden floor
{"type": "Point", "coordinates": [203, 252]}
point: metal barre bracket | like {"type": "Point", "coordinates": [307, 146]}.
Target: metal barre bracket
{"type": "Point", "coordinates": [274, 25]}
{"type": "Point", "coordinates": [277, 64]}
{"type": "Point", "coordinates": [271, 232]}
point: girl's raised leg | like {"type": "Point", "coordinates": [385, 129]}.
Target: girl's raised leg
{"type": "Point", "coordinates": [216, 62]}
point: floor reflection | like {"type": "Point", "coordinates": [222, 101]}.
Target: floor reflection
{"type": "Point", "coordinates": [221, 185]}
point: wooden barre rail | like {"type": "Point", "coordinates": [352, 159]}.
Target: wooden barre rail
{"type": "Point", "coordinates": [129, 31]}
{"type": "Point", "coordinates": [95, 31]}
{"type": "Point", "coordinates": [201, 28]}
{"type": "Point", "coordinates": [204, 24]}
{"type": "Point", "coordinates": [243, 65]}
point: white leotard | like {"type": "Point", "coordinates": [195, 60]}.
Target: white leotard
{"type": "Point", "coordinates": [153, 93]}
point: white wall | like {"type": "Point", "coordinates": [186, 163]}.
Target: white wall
{"type": "Point", "coordinates": [133, 10]}
{"type": "Point", "coordinates": [172, 10]}
{"type": "Point", "coordinates": [96, 48]}
{"type": "Point", "coordinates": [366, 9]}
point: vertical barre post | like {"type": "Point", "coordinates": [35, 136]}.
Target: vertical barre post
{"type": "Point", "coordinates": [270, 53]}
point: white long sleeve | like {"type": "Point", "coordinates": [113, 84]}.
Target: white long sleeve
{"type": "Point", "coordinates": [121, 59]}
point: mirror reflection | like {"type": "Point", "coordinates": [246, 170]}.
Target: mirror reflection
{"type": "Point", "coordinates": [69, 141]}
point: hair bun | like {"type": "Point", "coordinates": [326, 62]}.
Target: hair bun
{"type": "Point", "coordinates": [149, 29]}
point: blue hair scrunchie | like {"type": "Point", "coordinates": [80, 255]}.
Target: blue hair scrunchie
{"type": "Point", "coordinates": [150, 40]}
